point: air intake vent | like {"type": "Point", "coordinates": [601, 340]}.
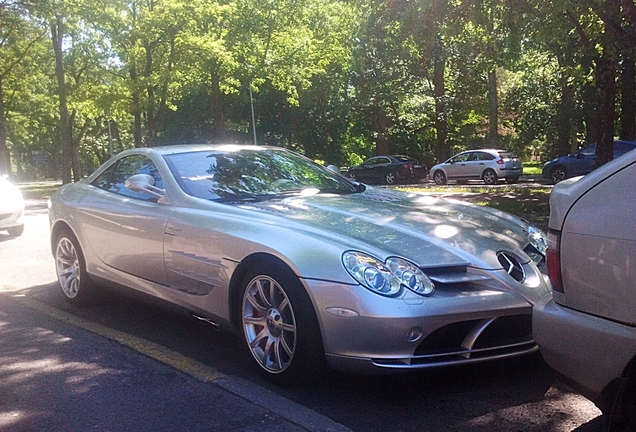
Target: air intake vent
{"type": "Point", "coordinates": [511, 265]}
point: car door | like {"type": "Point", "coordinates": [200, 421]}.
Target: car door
{"type": "Point", "coordinates": [456, 167]}
{"type": "Point", "coordinates": [477, 163]}
{"type": "Point", "coordinates": [373, 169]}
{"type": "Point", "coordinates": [125, 229]}
{"type": "Point", "coordinates": [583, 162]}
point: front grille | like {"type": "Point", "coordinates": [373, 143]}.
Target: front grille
{"type": "Point", "coordinates": [476, 339]}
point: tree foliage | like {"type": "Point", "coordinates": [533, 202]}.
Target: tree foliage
{"type": "Point", "coordinates": [338, 80]}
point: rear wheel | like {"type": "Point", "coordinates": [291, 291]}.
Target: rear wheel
{"type": "Point", "coordinates": [280, 326]}
{"type": "Point", "coordinates": [70, 267]}
{"type": "Point", "coordinates": [489, 177]}
{"type": "Point", "coordinates": [439, 177]}
{"type": "Point", "coordinates": [621, 417]}
{"type": "Point", "coordinates": [512, 180]}
{"type": "Point", "coordinates": [351, 176]}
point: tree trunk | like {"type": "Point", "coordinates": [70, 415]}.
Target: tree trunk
{"type": "Point", "coordinates": [218, 110]}
{"type": "Point", "coordinates": [493, 110]}
{"type": "Point", "coordinates": [439, 83]}
{"type": "Point", "coordinates": [628, 100]}
{"type": "Point", "coordinates": [606, 87]}
{"type": "Point", "coordinates": [565, 115]}
{"type": "Point", "coordinates": [57, 36]}
{"type": "Point", "coordinates": [5, 160]}
{"type": "Point", "coordinates": [136, 108]}
{"type": "Point", "coordinates": [382, 144]}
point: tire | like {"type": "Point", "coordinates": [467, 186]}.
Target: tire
{"type": "Point", "coordinates": [16, 231]}
{"type": "Point", "coordinates": [279, 325]}
{"type": "Point", "coordinates": [621, 415]}
{"type": "Point", "coordinates": [512, 180]}
{"type": "Point", "coordinates": [390, 178]}
{"type": "Point", "coordinates": [70, 266]}
{"type": "Point", "coordinates": [439, 178]}
{"type": "Point", "coordinates": [557, 174]}
{"type": "Point", "coordinates": [489, 177]}
{"type": "Point", "coordinates": [351, 176]}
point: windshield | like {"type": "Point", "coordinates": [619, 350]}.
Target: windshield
{"type": "Point", "coordinates": [226, 175]}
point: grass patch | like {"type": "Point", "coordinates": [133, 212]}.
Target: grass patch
{"type": "Point", "coordinates": [38, 190]}
{"type": "Point", "coordinates": [532, 168]}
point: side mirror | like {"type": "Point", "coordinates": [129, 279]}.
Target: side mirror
{"type": "Point", "coordinates": [144, 183]}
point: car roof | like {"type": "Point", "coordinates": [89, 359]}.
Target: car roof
{"type": "Point", "coordinates": [187, 148]}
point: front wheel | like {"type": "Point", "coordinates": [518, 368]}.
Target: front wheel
{"type": "Point", "coordinates": [439, 177]}
{"type": "Point", "coordinates": [390, 178]}
{"type": "Point", "coordinates": [280, 326]}
{"type": "Point", "coordinates": [558, 174]}
{"type": "Point", "coordinates": [70, 267]}
{"type": "Point", "coordinates": [489, 177]}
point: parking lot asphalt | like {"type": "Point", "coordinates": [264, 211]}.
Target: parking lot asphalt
{"type": "Point", "coordinates": [59, 372]}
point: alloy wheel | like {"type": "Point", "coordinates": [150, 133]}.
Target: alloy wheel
{"type": "Point", "coordinates": [269, 324]}
{"type": "Point", "coordinates": [68, 267]}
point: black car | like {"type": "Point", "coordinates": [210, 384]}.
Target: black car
{"type": "Point", "coordinates": [388, 170]}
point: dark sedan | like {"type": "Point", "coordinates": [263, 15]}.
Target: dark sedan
{"type": "Point", "coordinates": [388, 170]}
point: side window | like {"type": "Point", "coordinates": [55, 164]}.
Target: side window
{"type": "Point", "coordinates": [463, 157]}
{"type": "Point", "coordinates": [103, 181]}
{"type": "Point", "coordinates": [125, 168]}
{"type": "Point", "coordinates": [589, 150]}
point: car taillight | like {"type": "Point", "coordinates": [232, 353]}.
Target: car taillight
{"type": "Point", "coordinates": [553, 258]}
{"type": "Point", "coordinates": [500, 161]}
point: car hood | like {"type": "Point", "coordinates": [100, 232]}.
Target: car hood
{"type": "Point", "coordinates": [427, 230]}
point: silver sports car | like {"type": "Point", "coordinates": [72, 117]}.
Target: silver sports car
{"type": "Point", "coordinates": [309, 268]}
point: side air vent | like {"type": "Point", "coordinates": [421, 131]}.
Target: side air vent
{"type": "Point", "coordinates": [512, 266]}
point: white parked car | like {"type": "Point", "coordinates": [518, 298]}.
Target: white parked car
{"type": "Point", "coordinates": [488, 165]}
{"type": "Point", "coordinates": [586, 330]}
{"type": "Point", "coordinates": [11, 208]}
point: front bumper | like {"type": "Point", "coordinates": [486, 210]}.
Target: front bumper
{"type": "Point", "coordinates": [380, 334]}
{"type": "Point", "coordinates": [10, 218]}
{"type": "Point", "coordinates": [589, 352]}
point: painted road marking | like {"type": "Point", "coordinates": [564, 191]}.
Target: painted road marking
{"type": "Point", "coordinates": [155, 351]}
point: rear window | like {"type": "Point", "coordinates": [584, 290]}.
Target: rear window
{"type": "Point", "coordinates": [507, 155]}
{"type": "Point", "coordinates": [405, 159]}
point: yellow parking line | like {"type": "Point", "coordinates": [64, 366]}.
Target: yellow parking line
{"type": "Point", "coordinates": [173, 359]}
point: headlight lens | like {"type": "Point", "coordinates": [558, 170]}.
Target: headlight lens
{"type": "Point", "coordinates": [371, 273]}
{"type": "Point", "coordinates": [386, 278]}
{"type": "Point", "coordinates": [411, 276]}
{"type": "Point", "coordinates": [537, 239]}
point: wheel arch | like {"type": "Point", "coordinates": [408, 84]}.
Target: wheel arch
{"type": "Point", "coordinates": [238, 277]}
{"type": "Point", "coordinates": [56, 229]}
{"type": "Point", "coordinates": [619, 390]}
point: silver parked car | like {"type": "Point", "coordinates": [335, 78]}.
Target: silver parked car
{"type": "Point", "coordinates": [307, 266]}
{"type": "Point", "coordinates": [488, 165]}
{"type": "Point", "coordinates": [587, 329]}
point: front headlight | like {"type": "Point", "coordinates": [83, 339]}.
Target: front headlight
{"type": "Point", "coordinates": [386, 278]}
{"type": "Point", "coordinates": [411, 276]}
{"type": "Point", "coordinates": [537, 239]}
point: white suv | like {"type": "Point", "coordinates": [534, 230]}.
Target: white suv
{"type": "Point", "coordinates": [586, 330]}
